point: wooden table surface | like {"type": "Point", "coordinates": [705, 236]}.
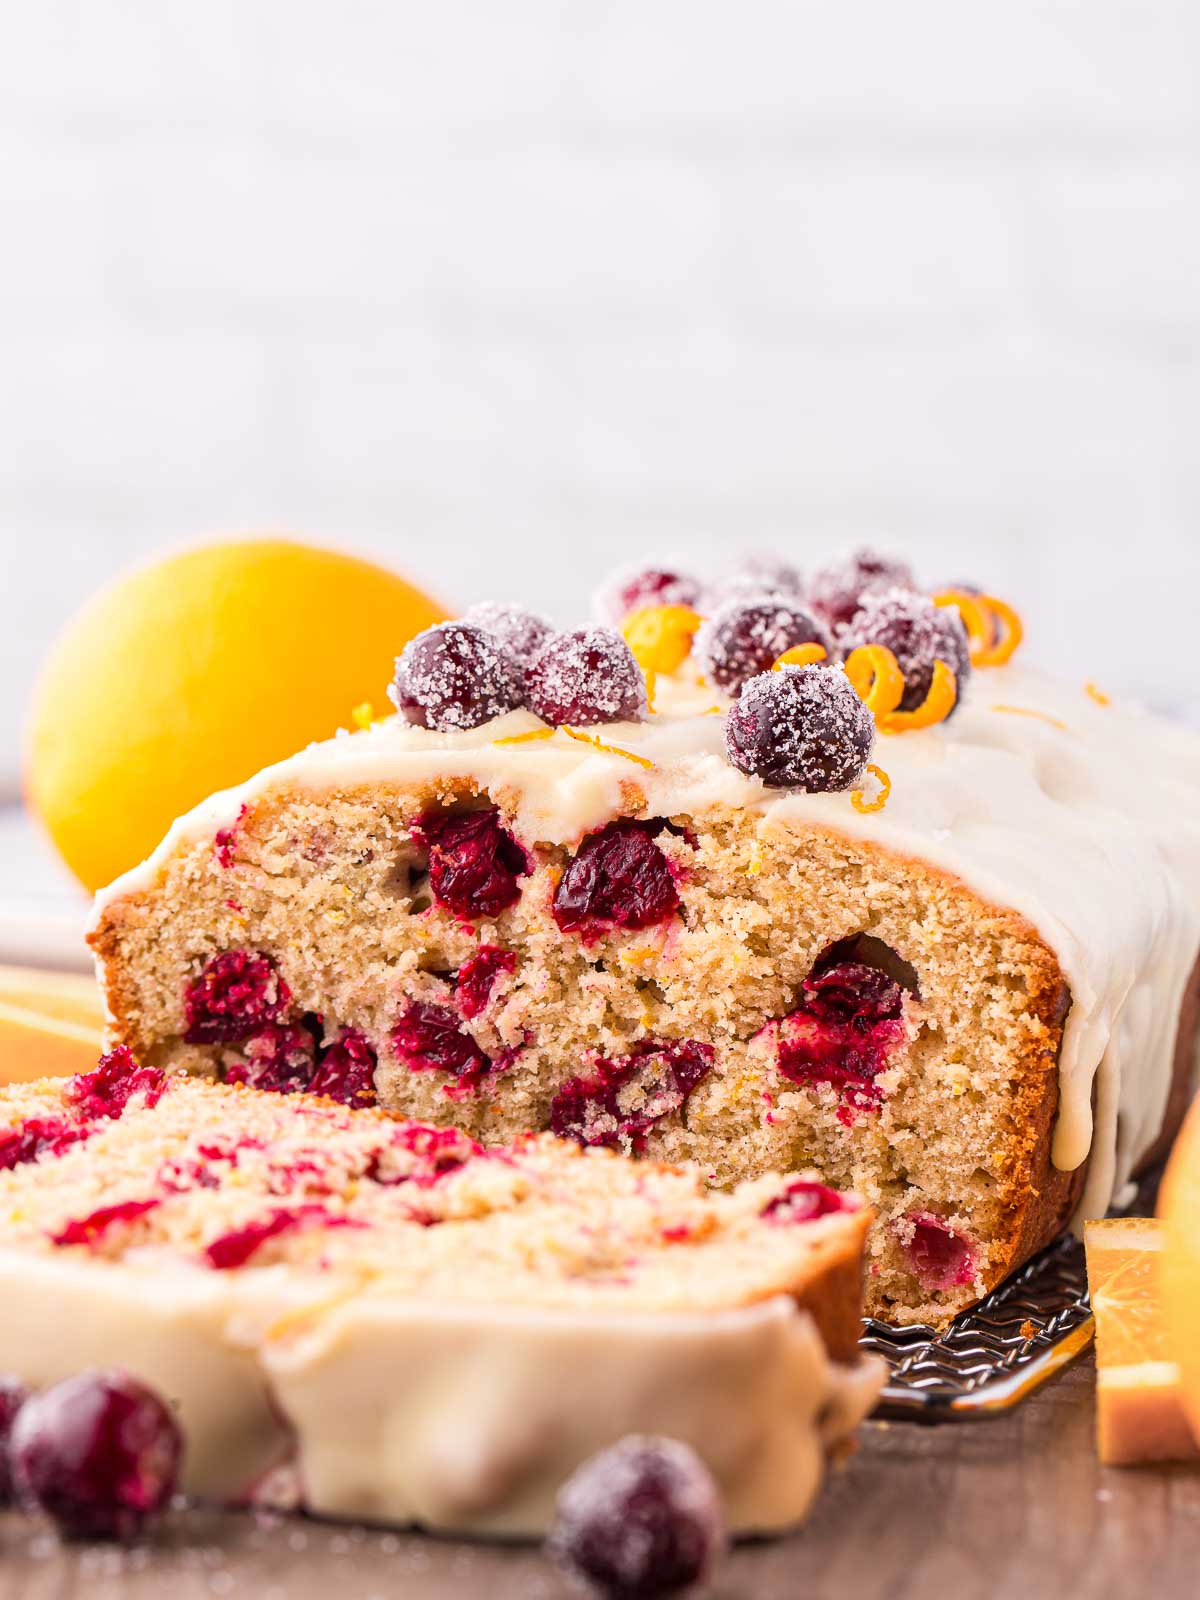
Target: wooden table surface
{"type": "Point", "coordinates": [1014, 1509]}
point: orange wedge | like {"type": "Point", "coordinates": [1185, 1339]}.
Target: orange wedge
{"type": "Point", "coordinates": [51, 1024]}
{"type": "Point", "coordinates": [1139, 1397]}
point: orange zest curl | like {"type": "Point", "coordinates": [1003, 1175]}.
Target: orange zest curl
{"type": "Point", "coordinates": [363, 715]}
{"type": "Point", "coordinates": [994, 630]}
{"type": "Point", "coordinates": [858, 799]}
{"type": "Point", "coordinates": [661, 636]}
{"type": "Point", "coordinates": [651, 678]}
{"type": "Point", "coordinates": [527, 738]}
{"type": "Point", "coordinates": [936, 706]}
{"type": "Point", "coordinates": [800, 655]}
{"type": "Point", "coordinates": [1039, 716]}
{"type": "Point", "coordinates": [876, 678]}
{"type": "Point", "coordinates": [608, 749]}
{"type": "Point", "coordinates": [1011, 632]}
{"type": "Point", "coordinates": [1097, 694]}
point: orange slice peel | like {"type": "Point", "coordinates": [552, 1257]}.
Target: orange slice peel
{"type": "Point", "coordinates": [661, 636]}
{"type": "Point", "coordinates": [876, 678]}
{"type": "Point", "coordinates": [801, 655]}
{"type": "Point", "coordinates": [936, 706]}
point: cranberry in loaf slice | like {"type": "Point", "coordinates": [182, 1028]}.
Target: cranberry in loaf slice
{"type": "Point", "coordinates": [426, 1330]}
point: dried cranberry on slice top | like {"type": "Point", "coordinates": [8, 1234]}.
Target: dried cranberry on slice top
{"type": "Point", "coordinates": [37, 1137]}
{"type": "Point", "coordinates": [93, 1228]}
{"type": "Point", "coordinates": [843, 1033]}
{"type": "Point", "coordinates": [586, 677]}
{"type": "Point", "coordinates": [431, 1038]}
{"type": "Point", "coordinates": [474, 862]}
{"type": "Point", "coordinates": [236, 995]}
{"type": "Point", "coordinates": [638, 1521]}
{"type": "Point", "coordinates": [942, 1257]}
{"type": "Point", "coordinates": [100, 1454]}
{"type": "Point", "coordinates": [618, 878]}
{"type": "Point", "coordinates": [623, 1097]}
{"type": "Point", "coordinates": [454, 676]}
{"type": "Point", "coordinates": [478, 977]}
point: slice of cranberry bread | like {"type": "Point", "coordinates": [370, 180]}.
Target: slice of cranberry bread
{"type": "Point", "coordinates": [425, 1329]}
{"type": "Point", "coordinates": [958, 984]}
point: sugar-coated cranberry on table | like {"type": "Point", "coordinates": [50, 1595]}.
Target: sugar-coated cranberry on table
{"type": "Point", "coordinates": [13, 1395]}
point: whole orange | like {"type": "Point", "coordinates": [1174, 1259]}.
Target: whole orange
{"type": "Point", "coordinates": [189, 675]}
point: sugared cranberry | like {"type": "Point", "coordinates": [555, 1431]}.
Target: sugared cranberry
{"type": "Point", "coordinates": [108, 1090]}
{"type": "Point", "coordinates": [38, 1137]}
{"type": "Point", "coordinates": [765, 575]}
{"type": "Point", "coordinates": [346, 1071]}
{"type": "Point", "coordinates": [942, 1257]}
{"type": "Point", "coordinates": [836, 592]}
{"type": "Point", "coordinates": [801, 728]}
{"type": "Point", "coordinates": [431, 1038]}
{"type": "Point", "coordinates": [640, 1520]}
{"type": "Point", "coordinates": [522, 633]}
{"type": "Point", "coordinates": [99, 1453]}
{"type": "Point", "coordinates": [474, 862]}
{"type": "Point", "coordinates": [93, 1228]}
{"type": "Point", "coordinates": [477, 978]}
{"type": "Point", "coordinates": [620, 1099]}
{"type": "Point", "coordinates": [747, 637]}
{"type": "Point", "coordinates": [279, 1059]}
{"type": "Point", "coordinates": [918, 633]}
{"type": "Point", "coordinates": [236, 995]}
{"type": "Point", "coordinates": [653, 586]}
{"type": "Point", "coordinates": [13, 1395]}
{"type": "Point", "coordinates": [585, 677]}
{"type": "Point", "coordinates": [455, 676]}
{"type": "Point", "coordinates": [843, 1033]}
{"type": "Point", "coordinates": [805, 1201]}
{"type": "Point", "coordinates": [618, 878]}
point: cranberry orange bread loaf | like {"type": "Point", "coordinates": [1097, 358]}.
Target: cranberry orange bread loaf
{"type": "Point", "coordinates": [423, 1329]}
{"type": "Point", "coordinates": [926, 927]}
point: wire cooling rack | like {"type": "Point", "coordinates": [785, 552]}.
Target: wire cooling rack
{"type": "Point", "coordinates": [994, 1355]}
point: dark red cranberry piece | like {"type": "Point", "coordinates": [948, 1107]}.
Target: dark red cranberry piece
{"type": "Point", "coordinates": [836, 592]}
{"type": "Point", "coordinates": [843, 1033]}
{"type": "Point", "coordinates": [805, 1201]}
{"type": "Point", "coordinates": [225, 842]}
{"type": "Point", "coordinates": [586, 677]}
{"type": "Point", "coordinates": [38, 1137]}
{"type": "Point", "coordinates": [279, 1059]}
{"type": "Point", "coordinates": [618, 878]}
{"type": "Point", "coordinates": [801, 728]}
{"type": "Point", "coordinates": [474, 862]}
{"type": "Point", "coordinates": [747, 637]}
{"type": "Point", "coordinates": [108, 1090]}
{"type": "Point", "coordinates": [91, 1229]}
{"type": "Point", "coordinates": [638, 1521]}
{"type": "Point", "coordinates": [622, 1098]}
{"type": "Point", "coordinates": [522, 633]}
{"type": "Point", "coordinates": [99, 1453]}
{"type": "Point", "coordinates": [477, 978]}
{"type": "Point", "coordinates": [431, 1038]}
{"type": "Point", "coordinates": [653, 586]}
{"type": "Point", "coordinates": [942, 1258]}
{"type": "Point", "coordinates": [13, 1395]}
{"type": "Point", "coordinates": [235, 1248]}
{"type": "Point", "coordinates": [346, 1072]}
{"type": "Point", "coordinates": [236, 995]}
{"type": "Point", "coordinates": [455, 676]}
{"type": "Point", "coordinates": [918, 633]}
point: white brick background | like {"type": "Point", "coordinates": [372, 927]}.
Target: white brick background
{"type": "Point", "coordinates": [507, 292]}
